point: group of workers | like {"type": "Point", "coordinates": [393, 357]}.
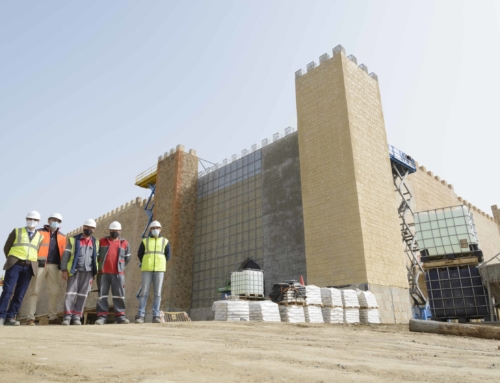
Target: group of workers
{"type": "Point", "coordinates": [35, 255]}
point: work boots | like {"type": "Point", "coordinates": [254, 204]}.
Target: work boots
{"type": "Point", "coordinates": [100, 321]}
{"type": "Point", "coordinates": [156, 320]}
{"type": "Point", "coordinates": [30, 322]}
{"type": "Point", "coordinates": [139, 319]}
{"type": "Point", "coordinates": [121, 320]}
{"type": "Point", "coordinates": [11, 322]}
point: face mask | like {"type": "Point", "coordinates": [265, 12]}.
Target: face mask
{"type": "Point", "coordinates": [114, 234]}
{"type": "Point", "coordinates": [54, 225]}
{"type": "Point", "coordinates": [30, 223]}
{"type": "Point", "coordinates": [155, 232]}
{"type": "Point", "coordinates": [88, 232]}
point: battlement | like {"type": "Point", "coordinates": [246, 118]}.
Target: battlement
{"type": "Point", "coordinates": [325, 57]}
{"type": "Point", "coordinates": [266, 141]}
{"type": "Point", "coordinates": [450, 186]}
{"type": "Point", "coordinates": [133, 203]}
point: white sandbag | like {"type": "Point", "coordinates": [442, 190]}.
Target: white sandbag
{"type": "Point", "coordinates": [350, 298]}
{"type": "Point", "coordinates": [231, 311]}
{"type": "Point", "coordinates": [367, 299]}
{"type": "Point", "coordinates": [313, 295]}
{"type": "Point", "coordinates": [292, 314]}
{"type": "Point", "coordinates": [331, 297]}
{"type": "Point", "coordinates": [333, 314]}
{"type": "Point", "coordinates": [351, 315]}
{"type": "Point", "coordinates": [265, 311]}
{"type": "Point", "coordinates": [290, 297]}
{"type": "Point", "coordinates": [369, 316]}
{"type": "Point", "coordinates": [313, 314]}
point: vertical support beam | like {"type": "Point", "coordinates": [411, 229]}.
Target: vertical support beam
{"type": "Point", "coordinates": [175, 208]}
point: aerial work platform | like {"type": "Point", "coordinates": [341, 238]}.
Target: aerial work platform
{"type": "Point", "coordinates": [147, 177]}
{"type": "Point", "coordinates": [402, 161]}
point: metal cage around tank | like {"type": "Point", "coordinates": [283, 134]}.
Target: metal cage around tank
{"type": "Point", "coordinates": [457, 292]}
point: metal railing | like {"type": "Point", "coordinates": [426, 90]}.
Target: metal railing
{"type": "Point", "coordinates": [402, 158]}
{"type": "Point", "coordinates": [145, 174]}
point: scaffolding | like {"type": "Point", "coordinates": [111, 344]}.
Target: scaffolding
{"type": "Point", "coordinates": [403, 165]}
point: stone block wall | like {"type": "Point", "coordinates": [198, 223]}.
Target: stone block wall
{"type": "Point", "coordinates": [351, 226]}
{"type": "Point", "coordinates": [175, 208]}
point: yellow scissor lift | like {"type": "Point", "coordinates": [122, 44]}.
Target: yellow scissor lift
{"type": "Point", "coordinates": [147, 180]}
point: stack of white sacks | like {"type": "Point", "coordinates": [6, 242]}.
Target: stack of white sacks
{"type": "Point", "coordinates": [332, 302]}
{"type": "Point", "coordinates": [351, 306]}
{"type": "Point", "coordinates": [266, 311]}
{"type": "Point", "coordinates": [231, 311]}
{"type": "Point", "coordinates": [292, 314]}
{"type": "Point", "coordinates": [368, 313]}
{"type": "Point", "coordinates": [313, 297]}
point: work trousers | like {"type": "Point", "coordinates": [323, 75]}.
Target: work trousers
{"type": "Point", "coordinates": [148, 277]}
{"type": "Point", "coordinates": [117, 284]}
{"type": "Point", "coordinates": [51, 274]}
{"type": "Point", "coordinates": [15, 284]}
{"type": "Point", "coordinates": [77, 290]}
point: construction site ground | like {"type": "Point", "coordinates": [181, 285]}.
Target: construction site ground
{"type": "Point", "coordinates": [242, 352]}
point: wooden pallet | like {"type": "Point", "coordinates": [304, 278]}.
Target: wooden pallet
{"type": "Point", "coordinates": [251, 297]}
{"type": "Point", "coordinates": [296, 303]}
{"type": "Point", "coordinates": [472, 261]}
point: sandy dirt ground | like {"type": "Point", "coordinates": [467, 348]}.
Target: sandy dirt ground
{"type": "Point", "coordinates": [242, 352]}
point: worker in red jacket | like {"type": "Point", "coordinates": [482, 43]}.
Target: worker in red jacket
{"type": "Point", "coordinates": [49, 266]}
{"type": "Point", "coordinates": [114, 255]}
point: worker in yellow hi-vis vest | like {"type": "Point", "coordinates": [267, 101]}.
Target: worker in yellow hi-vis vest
{"type": "Point", "coordinates": [21, 250]}
{"type": "Point", "coordinates": [154, 253]}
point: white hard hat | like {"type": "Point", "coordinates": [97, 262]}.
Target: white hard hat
{"type": "Point", "coordinates": [56, 215]}
{"type": "Point", "coordinates": [155, 224]}
{"type": "Point", "coordinates": [115, 225]}
{"type": "Point", "coordinates": [90, 222]}
{"type": "Point", "coordinates": [33, 215]}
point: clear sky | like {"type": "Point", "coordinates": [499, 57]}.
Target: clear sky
{"type": "Point", "coordinates": [92, 92]}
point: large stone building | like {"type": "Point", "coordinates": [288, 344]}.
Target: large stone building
{"type": "Point", "coordinates": [305, 204]}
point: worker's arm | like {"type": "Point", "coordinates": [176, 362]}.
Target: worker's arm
{"type": "Point", "coordinates": [9, 243]}
{"type": "Point", "coordinates": [141, 252]}
{"type": "Point", "coordinates": [65, 257]}
{"type": "Point", "coordinates": [127, 254]}
{"type": "Point", "coordinates": [167, 252]}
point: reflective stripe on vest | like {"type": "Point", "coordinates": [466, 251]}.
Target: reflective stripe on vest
{"type": "Point", "coordinates": [154, 255]}
{"type": "Point", "coordinates": [25, 249]}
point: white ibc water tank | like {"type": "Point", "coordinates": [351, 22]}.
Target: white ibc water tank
{"type": "Point", "coordinates": [247, 282]}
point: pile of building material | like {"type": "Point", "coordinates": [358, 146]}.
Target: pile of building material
{"type": "Point", "coordinates": [288, 292]}
{"type": "Point", "coordinates": [313, 295]}
{"type": "Point", "coordinates": [265, 311]}
{"type": "Point", "coordinates": [312, 309]}
{"type": "Point", "coordinates": [247, 283]}
{"type": "Point", "coordinates": [351, 306]}
{"type": "Point", "coordinates": [368, 312]}
{"type": "Point", "coordinates": [231, 310]}
{"type": "Point", "coordinates": [292, 313]}
{"type": "Point", "coordinates": [313, 314]}
{"type": "Point", "coordinates": [333, 311]}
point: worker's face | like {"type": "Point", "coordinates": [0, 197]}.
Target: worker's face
{"type": "Point", "coordinates": [114, 233]}
{"type": "Point", "coordinates": [155, 231]}
{"type": "Point", "coordinates": [54, 223]}
{"type": "Point", "coordinates": [88, 230]}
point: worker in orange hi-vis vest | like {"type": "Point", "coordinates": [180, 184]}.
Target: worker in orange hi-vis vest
{"type": "Point", "coordinates": [49, 266]}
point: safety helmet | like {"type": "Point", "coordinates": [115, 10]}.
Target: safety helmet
{"type": "Point", "coordinates": [90, 222]}
{"type": "Point", "coordinates": [56, 215]}
{"type": "Point", "coordinates": [115, 225]}
{"type": "Point", "coordinates": [155, 224]}
{"type": "Point", "coordinates": [33, 215]}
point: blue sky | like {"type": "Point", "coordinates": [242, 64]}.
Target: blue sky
{"type": "Point", "coordinates": [91, 92]}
